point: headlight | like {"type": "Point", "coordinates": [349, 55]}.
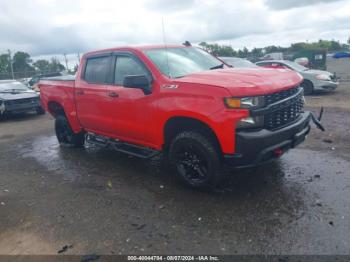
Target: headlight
{"type": "Point", "coordinates": [244, 102]}
{"type": "Point", "coordinates": [323, 77]}
{"type": "Point", "coordinates": [250, 122]}
{"type": "Point", "coordinates": [247, 103]}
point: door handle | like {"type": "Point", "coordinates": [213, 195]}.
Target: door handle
{"type": "Point", "coordinates": [79, 92]}
{"type": "Point", "coordinates": [113, 94]}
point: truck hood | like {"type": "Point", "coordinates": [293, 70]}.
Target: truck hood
{"type": "Point", "coordinates": [246, 81]}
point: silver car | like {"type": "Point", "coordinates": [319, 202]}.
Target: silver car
{"type": "Point", "coordinates": [314, 80]}
{"type": "Point", "coordinates": [237, 62]}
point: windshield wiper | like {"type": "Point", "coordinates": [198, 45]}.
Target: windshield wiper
{"type": "Point", "coordinates": [217, 67]}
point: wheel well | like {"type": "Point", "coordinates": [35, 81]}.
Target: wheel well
{"type": "Point", "coordinates": [176, 125]}
{"type": "Point", "coordinates": [56, 109]}
{"type": "Point", "coordinates": [309, 82]}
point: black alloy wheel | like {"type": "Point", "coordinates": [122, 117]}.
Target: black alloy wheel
{"type": "Point", "coordinates": [195, 159]}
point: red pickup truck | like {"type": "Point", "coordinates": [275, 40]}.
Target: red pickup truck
{"type": "Point", "coordinates": [182, 102]}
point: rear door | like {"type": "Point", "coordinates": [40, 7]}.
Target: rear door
{"type": "Point", "coordinates": [91, 93]}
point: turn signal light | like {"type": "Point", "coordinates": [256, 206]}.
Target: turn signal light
{"type": "Point", "coordinates": [232, 102]}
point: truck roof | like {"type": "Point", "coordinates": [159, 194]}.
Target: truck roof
{"type": "Point", "coordinates": [135, 48]}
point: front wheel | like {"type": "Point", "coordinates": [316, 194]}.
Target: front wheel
{"type": "Point", "coordinates": [65, 134]}
{"type": "Point", "coordinates": [40, 111]}
{"type": "Point", "coordinates": [308, 87]}
{"type": "Point", "coordinates": [195, 159]}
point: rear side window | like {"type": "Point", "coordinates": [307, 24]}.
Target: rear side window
{"type": "Point", "coordinates": [126, 66]}
{"type": "Point", "coordinates": [97, 70]}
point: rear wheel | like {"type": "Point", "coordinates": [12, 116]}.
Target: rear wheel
{"type": "Point", "coordinates": [65, 134]}
{"type": "Point", "coordinates": [195, 159]}
{"type": "Point", "coordinates": [308, 87]}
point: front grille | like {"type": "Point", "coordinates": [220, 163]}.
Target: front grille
{"type": "Point", "coordinates": [275, 97]}
{"type": "Point", "coordinates": [285, 113]}
{"type": "Point", "coordinates": [22, 101]}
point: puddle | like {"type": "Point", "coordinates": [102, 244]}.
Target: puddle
{"type": "Point", "coordinates": [264, 204]}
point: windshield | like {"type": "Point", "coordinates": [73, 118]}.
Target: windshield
{"type": "Point", "coordinates": [295, 66]}
{"type": "Point", "coordinates": [238, 62]}
{"type": "Point", "coordinates": [179, 62]}
{"type": "Point", "coordinates": [12, 86]}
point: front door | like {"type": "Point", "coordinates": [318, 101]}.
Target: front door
{"type": "Point", "coordinates": [130, 109]}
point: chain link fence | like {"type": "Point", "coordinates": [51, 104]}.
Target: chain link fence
{"type": "Point", "coordinates": [18, 75]}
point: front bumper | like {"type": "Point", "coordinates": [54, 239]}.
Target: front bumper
{"type": "Point", "coordinates": [256, 147]}
{"type": "Point", "coordinates": [8, 107]}
{"type": "Point", "coordinates": [325, 85]}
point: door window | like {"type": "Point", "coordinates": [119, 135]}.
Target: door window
{"type": "Point", "coordinates": [126, 66]}
{"type": "Point", "coordinates": [97, 70]}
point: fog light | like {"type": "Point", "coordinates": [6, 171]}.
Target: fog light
{"type": "Point", "coordinates": [2, 107]}
{"type": "Point", "coordinates": [250, 122]}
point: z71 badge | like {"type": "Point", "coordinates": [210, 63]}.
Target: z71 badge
{"type": "Point", "coordinates": [170, 86]}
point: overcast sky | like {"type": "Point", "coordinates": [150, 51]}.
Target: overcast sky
{"type": "Point", "coordinates": [52, 27]}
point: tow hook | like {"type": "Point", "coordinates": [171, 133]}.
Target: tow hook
{"type": "Point", "coordinates": [317, 121]}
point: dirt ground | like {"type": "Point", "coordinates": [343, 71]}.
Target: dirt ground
{"type": "Point", "coordinates": [336, 120]}
{"type": "Point", "coordinates": [95, 200]}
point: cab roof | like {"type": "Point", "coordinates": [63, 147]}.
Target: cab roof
{"type": "Point", "coordinates": [140, 48]}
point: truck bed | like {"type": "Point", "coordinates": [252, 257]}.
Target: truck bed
{"type": "Point", "coordinates": [60, 91]}
{"type": "Point", "coordinates": [59, 78]}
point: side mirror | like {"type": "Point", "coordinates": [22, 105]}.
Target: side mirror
{"type": "Point", "coordinates": [138, 81]}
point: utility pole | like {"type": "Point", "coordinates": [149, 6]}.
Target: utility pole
{"type": "Point", "coordinates": [65, 59]}
{"type": "Point", "coordinates": [79, 57]}
{"type": "Point", "coordinates": [11, 65]}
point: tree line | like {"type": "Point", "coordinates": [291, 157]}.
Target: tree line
{"type": "Point", "coordinates": [227, 50]}
{"type": "Point", "coordinates": [21, 65]}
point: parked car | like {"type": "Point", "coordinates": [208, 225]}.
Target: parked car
{"type": "Point", "coordinates": [183, 102]}
{"type": "Point", "coordinates": [314, 80]}
{"type": "Point", "coordinates": [273, 56]}
{"type": "Point", "coordinates": [33, 82]}
{"type": "Point", "coordinates": [237, 62]}
{"type": "Point", "coordinates": [15, 97]}
{"type": "Point", "coordinates": [341, 55]}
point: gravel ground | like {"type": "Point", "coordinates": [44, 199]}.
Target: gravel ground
{"type": "Point", "coordinates": [95, 200]}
